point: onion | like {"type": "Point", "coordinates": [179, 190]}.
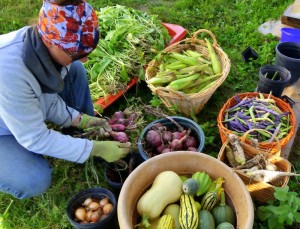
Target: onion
{"type": "Point", "coordinates": [190, 141]}
{"type": "Point", "coordinates": [166, 150]}
{"type": "Point", "coordinates": [177, 135]}
{"type": "Point", "coordinates": [107, 208]}
{"type": "Point", "coordinates": [176, 144]}
{"type": "Point", "coordinates": [160, 148]}
{"type": "Point", "coordinates": [166, 136]}
{"type": "Point", "coordinates": [80, 213]}
{"type": "Point", "coordinates": [93, 206]}
{"type": "Point", "coordinates": [153, 138]}
{"type": "Point", "coordinates": [119, 115]}
{"type": "Point", "coordinates": [118, 127]}
{"type": "Point", "coordinates": [95, 216]}
{"type": "Point", "coordinates": [130, 120]}
{"type": "Point", "coordinates": [119, 136]}
{"type": "Point", "coordinates": [103, 201]}
{"type": "Point", "coordinates": [192, 149]}
{"type": "Point", "coordinates": [87, 201]}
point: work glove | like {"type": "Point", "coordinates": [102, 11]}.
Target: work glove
{"type": "Point", "coordinates": [110, 151]}
{"type": "Point", "coordinates": [99, 125]}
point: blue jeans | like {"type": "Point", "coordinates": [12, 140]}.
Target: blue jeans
{"type": "Point", "coordinates": [24, 174]}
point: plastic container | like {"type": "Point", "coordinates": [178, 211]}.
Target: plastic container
{"type": "Point", "coordinates": [115, 177]}
{"type": "Point", "coordinates": [196, 131]}
{"type": "Point", "coordinates": [266, 82]}
{"type": "Point", "coordinates": [290, 35]}
{"type": "Point", "coordinates": [176, 32]}
{"type": "Point", "coordinates": [98, 193]}
{"type": "Point", "coordinates": [184, 163]}
{"type": "Point", "coordinates": [249, 54]}
{"type": "Point", "coordinates": [288, 56]}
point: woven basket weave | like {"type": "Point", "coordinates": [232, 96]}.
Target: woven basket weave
{"type": "Point", "coordinates": [260, 191]}
{"type": "Point", "coordinates": [189, 104]}
{"type": "Point", "coordinates": [272, 147]}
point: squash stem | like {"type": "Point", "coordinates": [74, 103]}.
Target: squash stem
{"type": "Point", "coordinates": [222, 198]}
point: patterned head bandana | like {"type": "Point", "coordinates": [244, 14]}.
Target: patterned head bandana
{"type": "Point", "coordinates": [73, 28]}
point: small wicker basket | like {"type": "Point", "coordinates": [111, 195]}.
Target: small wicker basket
{"type": "Point", "coordinates": [272, 147]}
{"type": "Point", "coordinates": [189, 104]}
{"type": "Point", "coordinates": [260, 191]}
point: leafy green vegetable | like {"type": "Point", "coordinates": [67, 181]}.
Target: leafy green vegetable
{"type": "Point", "coordinates": [129, 40]}
{"type": "Point", "coordinates": [283, 211]}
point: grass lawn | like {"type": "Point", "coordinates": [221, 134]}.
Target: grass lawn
{"type": "Point", "coordinates": [234, 23]}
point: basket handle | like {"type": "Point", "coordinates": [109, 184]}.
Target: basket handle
{"type": "Point", "coordinates": [244, 136]}
{"type": "Point", "coordinates": [193, 40]}
{"type": "Point", "coordinates": [195, 34]}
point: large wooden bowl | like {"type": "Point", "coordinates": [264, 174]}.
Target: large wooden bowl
{"type": "Point", "coordinates": [183, 162]}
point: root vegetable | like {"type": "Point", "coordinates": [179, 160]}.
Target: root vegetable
{"type": "Point", "coordinates": [118, 127]}
{"type": "Point", "coordinates": [87, 202]}
{"type": "Point", "coordinates": [160, 148]}
{"type": "Point", "coordinates": [153, 138]}
{"type": "Point", "coordinates": [177, 135]}
{"type": "Point", "coordinates": [192, 149]}
{"type": "Point", "coordinates": [107, 208]}
{"type": "Point", "coordinates": [166, 150]}
{"type": "Point", "coordinates": [167, 136]}
{"type": "Point", "coordinates": [118, 115]}
{"type": "Point", "coordinates": [176, 144]}
{"type": "Point", "coordinates": [237, 149]}
{"type": "Point", "coordinates": [95, 216]}
{"type": "Point", "coordinates": [80, 213]}
{"type": "Point", "coordinates": [103, 201]}
{"type": "Point", "coordinates": [267, 175]}
{"type": "Point", "coordinates": [190, 141]}
{"type": "Point", "coordinates": [119, 136]}
{"type": "Point", "coordinates": [93, 206]}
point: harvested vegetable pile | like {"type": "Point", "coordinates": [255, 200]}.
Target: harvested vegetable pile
{"type": "Point", "coordinates": [128, 39]}
{"type": "Point", "coordinates": [189, 71]}
{"type": "Point", "coordinates": [259, 114]}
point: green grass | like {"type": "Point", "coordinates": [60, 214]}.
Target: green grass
{"type": "Point", "coordinates": [234, 24]}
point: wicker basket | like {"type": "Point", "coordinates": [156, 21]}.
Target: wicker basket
{"type": "Point", "coordinates": [189, 104]}
{"type": "Point", "coordinates": [272, 147]}
{"type": "Point", "coordinates": [260, 191]}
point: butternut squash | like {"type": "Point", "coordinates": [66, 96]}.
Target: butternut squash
{"type": "Point", "coordinates": [166, 189]}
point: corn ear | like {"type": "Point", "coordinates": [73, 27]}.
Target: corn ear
{"type": "Point", "coordinates": [216, 64]}
{"type": "Point", "coordinates": [182, 83]}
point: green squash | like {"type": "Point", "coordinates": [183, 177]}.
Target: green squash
{"type": "Point", "coordinates": [190, 186]}
{"type": "Point", "coordinates": [225, 225]}
{"type": "Point", "coordinates": [222, 212]}
{"type": "Point", "coordinates": [206, 220]}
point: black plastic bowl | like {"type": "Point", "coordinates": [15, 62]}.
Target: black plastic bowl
{"type": "Point", "coordinates": [196, 131]}
{"type": "Point", "coordinates": [98, 193]}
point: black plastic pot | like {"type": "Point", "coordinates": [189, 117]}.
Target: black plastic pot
{"type": "Point", "coordinates": [249, 54]}
{"type": "Point", "coordinates": [115, 174]}
{"type": "Point", "coordinates": [288, 56]}
{"type": "Point", "coordinates": [273, 78]}
{"type": "Point", "coordinates": [97, 193]}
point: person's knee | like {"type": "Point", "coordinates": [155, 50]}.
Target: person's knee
{"type": "Point", "coordinates": [30, 185]}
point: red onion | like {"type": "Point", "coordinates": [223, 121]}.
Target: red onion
{"type": "Point", "coordinates": [177, 135]}
{"type": "Point", "coordinates": [166, 150]}
{"type": "Point", "coordinates": [118, 127]}
{"type": "Point", "coordinates": [118, 115]}
{"type": "Point", "coordinates": [160, 148]}
{"type": "Point", "coordinates": [119, 136]}
{"type": "Point", "coordinates": [192, 149]}
{"type": "Point", "coordinates": [130, 120]}
{"type": "Point", "coordinates": [167, 136]}
{"type": "Point", "coordinates": [190, 142]}
{"type": "Point", "coordinates": [176, 144]}
{"type": "Point", "coordinates": [153, 138]}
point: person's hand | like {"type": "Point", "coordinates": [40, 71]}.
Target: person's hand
{"type": "Point", "coordinates": [100, 124]}
{"type": "Point", "coordinates": [110, 151]}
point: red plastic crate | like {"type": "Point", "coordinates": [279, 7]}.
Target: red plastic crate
{"type": "Point", "coordinates": [176, 32]}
